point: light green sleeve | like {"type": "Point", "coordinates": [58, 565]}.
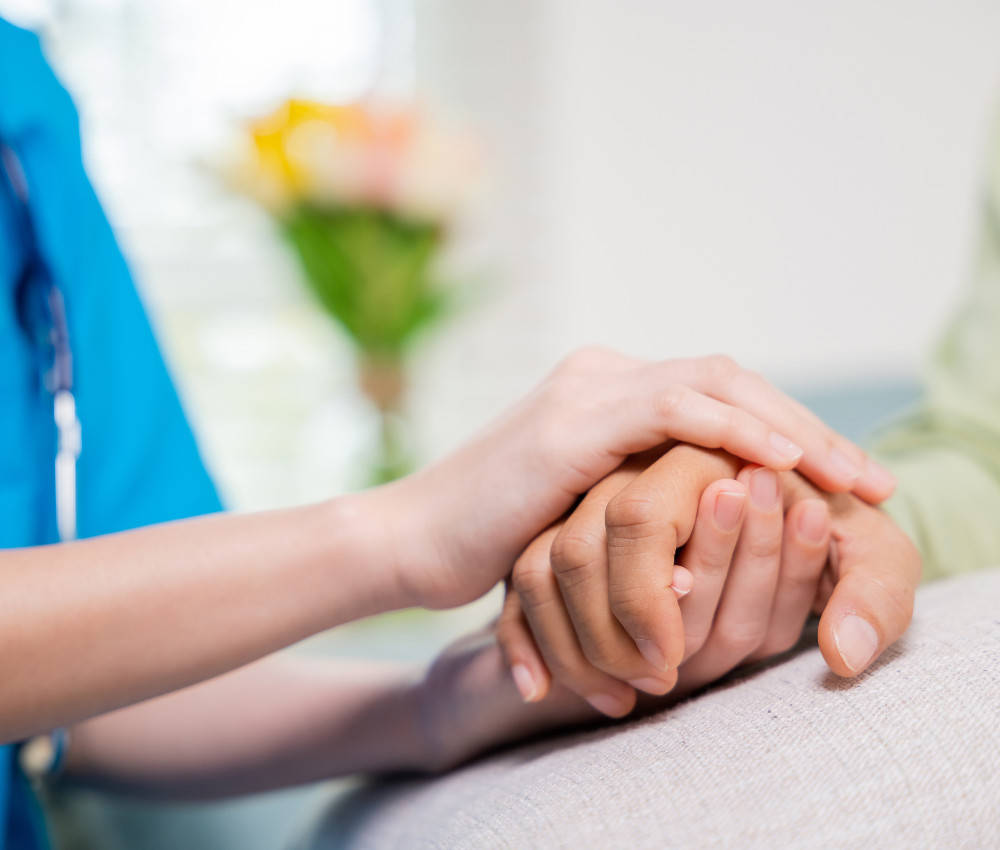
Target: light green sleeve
{"type": "Point", "coordinates": [947, 452]}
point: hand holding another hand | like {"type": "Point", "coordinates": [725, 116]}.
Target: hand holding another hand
{"type": "Point", "coordinates": [593, 605]}
{"type": "Point", "coordinates": [454, 529]}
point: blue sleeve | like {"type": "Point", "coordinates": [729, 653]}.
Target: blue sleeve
{"type": "Point", "coordinates": [139, 463]}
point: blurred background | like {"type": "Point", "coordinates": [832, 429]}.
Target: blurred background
{"type": "Point", "coordinates": [793, 184]}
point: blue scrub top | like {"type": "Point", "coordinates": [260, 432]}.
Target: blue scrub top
{"type": "Point", "coordinates": [139, 463]}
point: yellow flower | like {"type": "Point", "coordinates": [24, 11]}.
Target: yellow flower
{"type": "Point", "coordinates": [388, 157]}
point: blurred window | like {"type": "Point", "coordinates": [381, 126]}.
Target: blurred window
{"type": "Point", "coordinates": [160, 86]}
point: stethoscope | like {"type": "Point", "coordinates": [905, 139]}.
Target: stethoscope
{"type": "Point", "coordinates": [40, 302]}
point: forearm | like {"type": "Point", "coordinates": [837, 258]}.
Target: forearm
{"type": "Point", "coordinates": [280, 721]}
{"type": "Point", "coordinates": [94, 625]}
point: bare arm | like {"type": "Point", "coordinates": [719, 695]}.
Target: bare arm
{"type": "Point", "coordinates": [94, 625]}
{"type": "Point", "coordinates": [284, 721]}
{"type": "Point", "coordinates": [279, 721]}
{"type": "Point", "coordinates": [88, 627]}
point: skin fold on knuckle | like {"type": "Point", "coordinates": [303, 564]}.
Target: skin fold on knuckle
{"type": "Point", "coordinates": [740, 640]}
{"type": "Point", "coordinates": [614, 654]}
{"type": "Point", "coordinates": [672, 404]}
{"type": "Point", "coordinates": [587, 359]}
{"type": "Point", "coordinates": [782, 641]}
{"type": "Point", "coordinates": [578, 676]}
{"type": "Point", "coordinates": [711, 563]}
{"type": "Point", "coordinates": [635, 514]}
{"type": "Point", "coordinates": [802, 578]}
{"type": "Point", "coordinates": [533, 585]}
{"type": "Point", "coordinates": [719, 372]}
{"type": "Point", "coordinates": [764, 547]}
{"type": "Point", "coordinates": [577, 554]}
{"type": "Point", "coordinates": [665, 500]}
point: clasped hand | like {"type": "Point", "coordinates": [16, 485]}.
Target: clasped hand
{"type": "Point", "coordinates": [597, 603]}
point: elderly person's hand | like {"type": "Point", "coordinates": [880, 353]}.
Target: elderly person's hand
{"type": "Point", "coordinates": [593, 604]}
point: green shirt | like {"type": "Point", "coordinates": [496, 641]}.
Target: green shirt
{"type": "Point", "coordinates": [946, 453]}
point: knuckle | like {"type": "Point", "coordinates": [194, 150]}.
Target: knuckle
{"type": "Point", "coordinates": [531, 579]}
{"type": "Point", "coordinates": [734, 420]}
{"type": "Point", "coordinates": [669, 402]}
{"type": "Point", "coordinates": [764, 548]}
{"type": "Point", "coordinates": [575, 552]}
{"type": "Point", "coordinates": [633, 508]}
{"type": "Point", "coordinates": [738, 641]}
{"type": "Point", "coordinates": [801, 573]}
{"type": "Point", "coordinates": [777, 644]}
{"type": "Point", "coordinates": [720, 370]}
{"type": "Point", "coordinates": [573, 672]}
{"type": "Point", "coordinates": [584, 359]}
{"type": "Point", "coordinates": [606, 654]}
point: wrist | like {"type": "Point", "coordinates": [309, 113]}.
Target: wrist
{"type": "Point", "coordinates": [362, 544]}
{"type": "Point", "coordinates": [406, 538]}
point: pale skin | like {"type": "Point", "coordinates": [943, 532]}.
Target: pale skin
{"type": "Point", "coordinates": [97, 625]}
{"type": "Point", "coordinates": [591, 609]}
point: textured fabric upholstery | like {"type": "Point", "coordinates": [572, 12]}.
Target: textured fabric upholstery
{"type": "Point", "coordinates": [907, 756]}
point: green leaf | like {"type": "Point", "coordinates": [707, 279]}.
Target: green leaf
{"type": "Point", "coordinates": [372, 271]}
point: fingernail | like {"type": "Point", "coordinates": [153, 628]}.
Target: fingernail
{"type": "Point", "coordinates": [657, 687]}
{"type": "Point", "coordinates": [682, 583]}
{"type": "Point", "coordinates": [856, 641]}
{"type": "Point", "coordinates": [607, 704]}
{"type": "Point", "coordinates": [783, 446]}
{"type": "Point", "coordinates": [880, 476]}
{"type": "Point", "coordinates": [813, 521]}
{"type": "Point", "coordinates": [651, 652]}
{"type": "Point", "coordinates": [844, 465]}
{"type": "Point", "coordinates": [525, 682]}
{"type": "Point", "coordinates": [728, 507]}
{"type": "Point", "coordinates": [764, 489]}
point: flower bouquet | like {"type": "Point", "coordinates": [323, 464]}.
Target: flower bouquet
{"type": "Point", "coordinates": [365, 194]}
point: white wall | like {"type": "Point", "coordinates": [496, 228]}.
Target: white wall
{"type": "Point", "coordinates": [792, 183]}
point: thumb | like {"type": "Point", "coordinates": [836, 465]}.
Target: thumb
{"type": "Point", "coordinates": [878, 570]}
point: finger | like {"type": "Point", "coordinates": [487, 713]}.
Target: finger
{"type": "Point", "coordinates": [742, 618]}
{"type": "Point", "coordinates": [707, 555]}
{"type": "Point", "coordinates": [872, 604]}
{"type": "Point", "coordinates": [545, 612]}
{"type": "Point", "coordinates": [580, 565]}
{"type": "Point", "coordinates": [832, 461]}
{"type": "Point", "coordinates": [645, 523]}
{"type": "Point", "coordinates": [527, 667]}
{"type": "Point", "coordinates": [804, 550]}
{"type": "Point", "coordinates": [647, 409]}
{"type": "Point", "coordinates": [874, 569]}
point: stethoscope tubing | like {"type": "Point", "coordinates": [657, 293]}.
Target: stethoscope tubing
{"type": "Point", "coordinates": [59, 378]}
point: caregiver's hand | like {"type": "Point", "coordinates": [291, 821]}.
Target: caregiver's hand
{"type": "Point", "coordinates": [455, 528]}
{"type": "Point", "coordinates": [113, 620]}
